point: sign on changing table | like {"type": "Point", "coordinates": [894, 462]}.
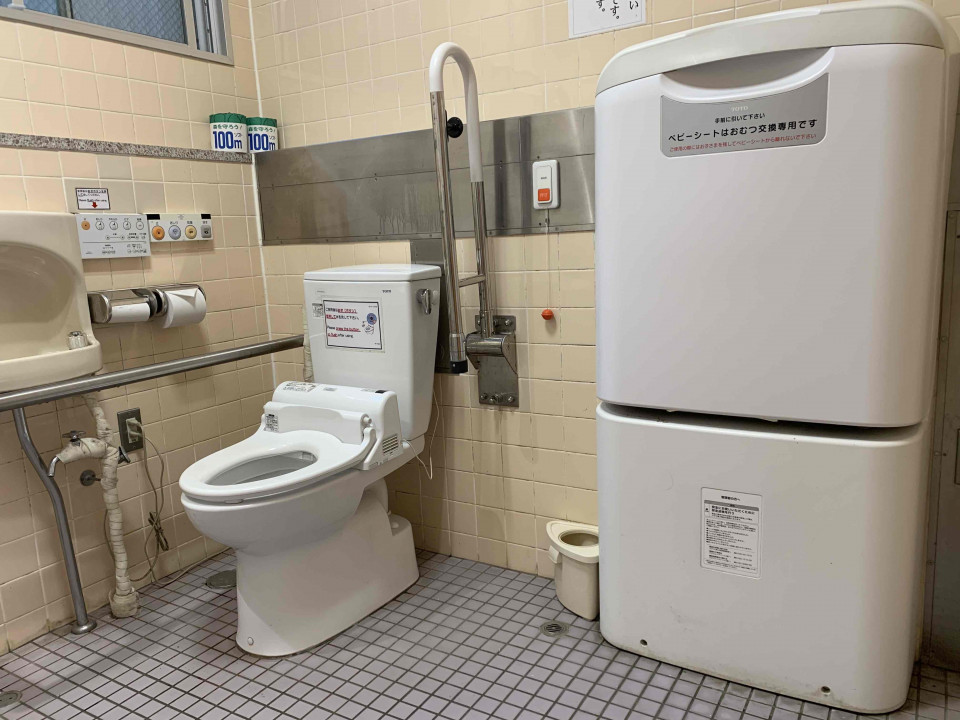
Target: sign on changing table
{"type": "Point", "coordinates": [588, 17]}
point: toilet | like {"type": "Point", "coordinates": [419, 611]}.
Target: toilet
{"type": "Point", "coordinates": [303, 501]}
{"type": "Point", "coordinates": [575, 552]}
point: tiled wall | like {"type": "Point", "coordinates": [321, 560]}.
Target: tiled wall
{"type": "Point", "coordinates": [334, 70]}
{"type": "Point", "coordinates": [56, 83]}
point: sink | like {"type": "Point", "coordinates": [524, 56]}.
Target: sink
{"type": "Point", "coordinates": [43, 299]}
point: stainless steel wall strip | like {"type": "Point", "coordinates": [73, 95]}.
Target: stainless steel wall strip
{"type": "Point", "coordinates": [80, 386]}
{"type": "Point", "coordinates": [385, 188]}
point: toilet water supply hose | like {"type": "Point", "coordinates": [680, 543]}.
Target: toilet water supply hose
{"type": "Point", "coordinates": [124, 601]}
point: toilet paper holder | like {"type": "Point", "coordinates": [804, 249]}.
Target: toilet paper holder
{"type": "Point", "coordinates": [110, 307]}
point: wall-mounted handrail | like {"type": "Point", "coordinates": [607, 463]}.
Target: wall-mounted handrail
{"type": "Point", "coordinates": [19, 399]}
{"type": "Point", "coordinates": [93, 383]}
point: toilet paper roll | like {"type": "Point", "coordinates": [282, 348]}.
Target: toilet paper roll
{"type": "Point", "coordinates": [133, 312]}
{"type": "Point", "coordinates": [184, 307]}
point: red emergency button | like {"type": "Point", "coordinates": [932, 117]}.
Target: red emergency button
{"type": "Point", "coordinates": [543, 195]}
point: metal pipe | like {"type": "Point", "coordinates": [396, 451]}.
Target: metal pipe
{"type": "Point", "coordinates": [456, 338]}
{"type": "Point", "coordinates": [81, 386]}
{"type": "Point", "coordinates": [83, 623]}
{"type": "Point", "coordinates": [472, 280]}
{"type": "Point", "coordinates": [480, 240]}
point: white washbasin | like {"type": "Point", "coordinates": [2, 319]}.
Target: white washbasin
{"type": "Point", "coordinates": [43, 299]}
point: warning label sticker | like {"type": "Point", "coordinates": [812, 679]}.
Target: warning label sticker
{"type": "Point", "coordinates": [730, 532]}
{"type": "Point", "coordinates": [795, 117]}
{"type": "Point", "coordinates": [352, 324]}
{"type": "Point", "coordinates": [271, 423]}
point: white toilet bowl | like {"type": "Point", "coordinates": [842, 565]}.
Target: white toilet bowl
{"type": "Point", "coordinates": [304, 504]}
{"type": "Point", "coordinates": [303, 501]}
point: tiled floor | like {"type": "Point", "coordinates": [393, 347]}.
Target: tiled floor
{"type": "Point", "coordinates": [462, 644]}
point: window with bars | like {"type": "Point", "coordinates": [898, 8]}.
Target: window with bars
{"type": "Point", "coordinates": [198, 24]}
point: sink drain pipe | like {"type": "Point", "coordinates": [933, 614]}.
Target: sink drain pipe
{"type": "Point", "coordinates": [83, 623]}
{"type": "Point", "coordinates": [124, 600]}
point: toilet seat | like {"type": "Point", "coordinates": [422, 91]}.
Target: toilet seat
{"type": "Point", "coordinates": [268, 463]}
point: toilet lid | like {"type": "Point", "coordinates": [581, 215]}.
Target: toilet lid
{"type": "Point", "coordinates": [269, 463]}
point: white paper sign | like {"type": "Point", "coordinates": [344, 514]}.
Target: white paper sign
{"type": "Point", "coordinates": [93, 199]}
{"type": "Point", "coordinates": [730, 532]}
{"type": "Point", "coordinates": [588, 17]}
{"type": "Point", "coordinates": [352, 324]}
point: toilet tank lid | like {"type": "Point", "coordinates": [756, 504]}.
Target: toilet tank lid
{"type": "Point", "coordinates": [863, 22]}
{"type": "Point", "coordinates": [385, 272]}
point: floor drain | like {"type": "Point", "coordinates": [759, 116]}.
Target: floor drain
{"type": "Point", "coordinates": [11, 697]}
{"type": "Point", "coordinates": [554, 628]}
{"type": "Point", "coordinates": [222, 580]}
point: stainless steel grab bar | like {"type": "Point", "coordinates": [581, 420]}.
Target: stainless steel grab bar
{"type": "Point", "coordinates": [19, 399]}
{"type": "Point", "coordinates": [81, 386]}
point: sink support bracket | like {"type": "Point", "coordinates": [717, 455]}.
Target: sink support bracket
{"type": "Point", "coordinates": [83, 623]}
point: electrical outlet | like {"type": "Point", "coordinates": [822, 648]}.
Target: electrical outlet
{"type": "Point", "coordinates": [131, 433]}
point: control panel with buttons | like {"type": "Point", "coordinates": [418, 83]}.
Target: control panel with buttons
{"type": "Point", "coordinates": [112, 236]}
{"type": "Point", "coordinates": [546, 184]}
{"type": "Point", "coordinates": [173, 227]}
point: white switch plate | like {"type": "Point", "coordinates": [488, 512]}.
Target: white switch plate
{"type": "Point", "coordinates": [174, 227]}
{"type": "Point", "coordinates": [103, 235]}
{"type": "Point", "coordinates": [546, 184]}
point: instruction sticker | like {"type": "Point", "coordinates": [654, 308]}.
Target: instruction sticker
{"type": "Point", "coordinates": [93, 199]}
{"type": "Point", "coordinates": [352, 324]}
{"type": "Point", "coordinates": [730, 532]}
{"type": "Point", "coordinates": [795, 117]}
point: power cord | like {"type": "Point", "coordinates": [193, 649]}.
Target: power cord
{"type": "Point", "coordinates": [153, 519]}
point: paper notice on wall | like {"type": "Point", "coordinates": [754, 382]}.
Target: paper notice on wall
{"type": "Point", "coordinates": [730, 532]}
{"type": "Point", "coordinates": [588, 17]}
{"type": "Point", "coordinates": [353, 324]}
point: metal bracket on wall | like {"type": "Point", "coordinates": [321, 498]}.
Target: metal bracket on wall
{"type": "Point", "coordinates": [497, 380]}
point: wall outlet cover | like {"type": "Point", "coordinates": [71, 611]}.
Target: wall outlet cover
{"type": "Point", "coordinates": [127, 442]}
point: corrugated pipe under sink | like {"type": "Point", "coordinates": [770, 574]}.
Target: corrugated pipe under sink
{"type": "Point", "coordinates": [124, 600]}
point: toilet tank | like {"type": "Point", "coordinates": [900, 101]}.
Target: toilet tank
{"type": "Point", "coordinates": [375, 326]}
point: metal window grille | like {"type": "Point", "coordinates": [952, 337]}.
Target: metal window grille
{"type": "Point", "coordinates": [198, 23]}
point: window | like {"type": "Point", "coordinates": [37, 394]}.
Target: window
{"type": "Point", "coordinates": [198, 25]}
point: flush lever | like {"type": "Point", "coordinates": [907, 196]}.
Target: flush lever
{"type": "Point", "coordinates": [425, 298]}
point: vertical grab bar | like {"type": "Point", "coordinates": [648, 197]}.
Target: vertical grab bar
{"type": "Point", "coordinates": [456, 336]}
{"type": "Point", "coordinates": [83, 623]}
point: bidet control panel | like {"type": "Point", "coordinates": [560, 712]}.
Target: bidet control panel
{"type": "Point", "coordinates": [178, 227]}
{"type": "Point", "coordinates": [112, 236]}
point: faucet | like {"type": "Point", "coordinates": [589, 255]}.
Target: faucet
{"type": "Point", "coordinates": [483, 343]}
